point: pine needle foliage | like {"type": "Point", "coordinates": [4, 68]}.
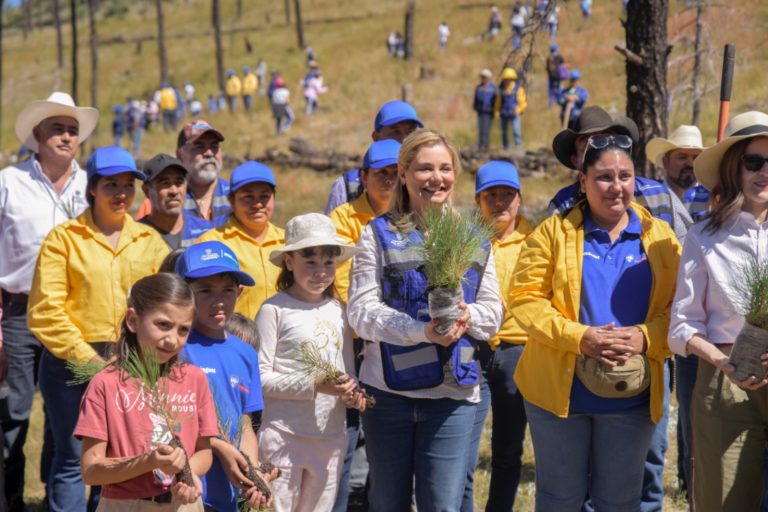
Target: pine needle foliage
{"type": "Point", "coordinates": [83, 372]}
{"type": "Point", "coordinates": [452, 241]}
{"type": "Point", "coordinates": [751, 296]}
{"type": "Point", "coordinates": [317, 366]}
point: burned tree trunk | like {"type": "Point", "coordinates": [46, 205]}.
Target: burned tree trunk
{"type": "Point", "coordinates": [408, 43]}
{"type": "Point", "coordinates": [59, 39]}
{"type": "Point", "coordinates": [161, 41]}
{"type": "Point", "coordinates": [217, 36]}
{"type": "Point", "coordinates": [287, 7]}
{"type": "Point", "coordinates": [73, 23]}
{"type": "Point", "coordinates": [94, 39]}
{"type": "Point", "coordinates": [696, 92]}
{"type": "Point", "coordinates": [299, 24]}
{"type": "Point", "coordinates": [646, 62]}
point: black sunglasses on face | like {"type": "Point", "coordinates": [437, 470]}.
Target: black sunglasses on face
{"type": "Point", "coordinates": [597, 142]}
{"type": "Point", "coordinates": [753, 163]}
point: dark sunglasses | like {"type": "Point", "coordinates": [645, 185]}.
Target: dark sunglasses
{"type": "Point", "coordinates": [753, 163]}
{"type": "Point", "coordinates": [598, 142]}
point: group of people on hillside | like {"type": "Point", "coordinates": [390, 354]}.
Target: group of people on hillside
{"type": "Point", "coordinates": [567, 327]}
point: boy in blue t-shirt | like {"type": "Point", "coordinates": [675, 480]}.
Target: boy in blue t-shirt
{"type": "Point", "coordinates": [232, 368]}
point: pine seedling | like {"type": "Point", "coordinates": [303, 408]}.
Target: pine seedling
{"type": "Point", "coordinates": [323, 370]}
{"type": "Point", "coordinates": [84, 371]}
{"type": "Point", "coordinates": [751, 288]}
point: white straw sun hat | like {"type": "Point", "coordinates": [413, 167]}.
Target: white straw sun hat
{"type": "Point", "coordinates": [743, 126]}
{"type": "Point", "coordinates": [685, 137]}
{"type": "Point", "coordinates": [57, 104]}
{"type": "Point", "coordinates": [312, 230]}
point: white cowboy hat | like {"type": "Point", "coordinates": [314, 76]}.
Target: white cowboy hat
{"type": "Point", "coordinates": [57, 104]}
{"type": "Point", "coordinates": [706, 167]}
{"type": "Point", "coordinates": [312, 230]}
{"type": "Point", "coordinates": [685, 137]}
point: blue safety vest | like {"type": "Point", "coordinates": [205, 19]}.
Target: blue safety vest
{"type": "Point", "coordinates": [404, 288]}
{"type": "Point", "coordinates": [509, 101]}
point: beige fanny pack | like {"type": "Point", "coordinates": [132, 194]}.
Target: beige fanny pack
{"type": "Point", "coordinates": [621, 381]}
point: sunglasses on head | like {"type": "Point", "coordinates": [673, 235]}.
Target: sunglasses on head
{"type": "Point", "coordinates": [753, 163]}
{"type": "Point", "coordinates": [598, 142]}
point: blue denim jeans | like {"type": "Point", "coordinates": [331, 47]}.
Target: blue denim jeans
{"type": "Point", "coordinates": [554, 91]}
{"type": "Point", "coordinates": [516, 131]}
{"type": "Point", "coordinates": [66, 490]}
{"type": "Point", "coordinates": [600, 455]}
{"type": "Point", "coordinates": [653, 478]}
{"type": "Point", "coordinates": [23, 352]}
{"type": "Point", "coordinates": [481, 412]}
{"type": "Point", "coordinates": [421, 440]}
{"type": "Point", "coordinates": [508, 432]}
{"type": "Point", "coordinates": [484, 121]}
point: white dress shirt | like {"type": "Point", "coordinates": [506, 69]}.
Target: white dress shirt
{"type": "Point", "coordinates": [373, 320]}
{"type": "Point", "coordinates": [29, 208]}
{"type": "Point", "coordinates": [706, 296]}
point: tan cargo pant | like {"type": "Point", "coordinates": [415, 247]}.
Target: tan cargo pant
{"type": "Point", "coordinates": [110, 505]}
{"type": "Point", "coordinates": [729, 437]}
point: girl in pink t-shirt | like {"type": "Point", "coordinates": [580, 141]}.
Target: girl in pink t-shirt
{"type": "Point", "coordinates": [127, 442]}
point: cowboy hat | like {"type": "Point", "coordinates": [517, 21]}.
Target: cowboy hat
{"type": "Point", "coordinates": [685, 137]}
{"type": "Point", "coordinates": [312, 230]}
{"type": "Point", "coordinates": [593, 119]}
{"type": "Point", "coordinates": [57, 104]}
{"type": "Point", "coordinates": [750, 124]}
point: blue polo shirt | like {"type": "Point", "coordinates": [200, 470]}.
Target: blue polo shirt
{"type": "Point", "coordinates": [220, 209]}
{"type": "Point", "coordinates": [616, 285]}
{"type": "Point", "coordinates": [232, 368]}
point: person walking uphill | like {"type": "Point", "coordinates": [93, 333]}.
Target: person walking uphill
{"type": "Point", "coordinates": [233, 88]}
{"type": "Point", "coordinates": [418, 429]}
{"type": "Point", "coordinates": [250, 85]}
{"type": "Point", "coordinates": [35, 196]}
{"type": "Point", "coordinates": [485, 99]}
{"type": "Point", "coordinates": [76, 304]}
{"type": "Point", "coordinates": [572, 100]}
{"type": "Point", "coordinates": [592, 289]}
{"type": "Point", "coordinates": [511, 104]}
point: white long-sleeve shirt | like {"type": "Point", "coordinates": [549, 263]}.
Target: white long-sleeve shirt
{"type": "Point", "coordinates": [706, 296]}
{"type": "Point", "coordinates": [373, 320]}
{"type": "Point", "coordinates": [30, 208]}
{"type": "Point", "coordinates": [291, 403]}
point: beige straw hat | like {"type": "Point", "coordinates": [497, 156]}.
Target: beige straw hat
{"type": "Point", "coordinates": [685, 137]}
{"type": "Point", "coordinates": [743, 126]}
{"type": "Point", "coordinates": [312, 230]}
{"type": "Point", "coordinates": [57, 104]}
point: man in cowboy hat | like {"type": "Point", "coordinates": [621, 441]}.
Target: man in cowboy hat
{"type": "Point", "coordinates": [676, 155]}
{"type": "Point", "coordinates": [569, 146]}
{"type": "Point", "coordinates": [35, 195]}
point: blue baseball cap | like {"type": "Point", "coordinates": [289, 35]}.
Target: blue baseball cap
{"type": "Point", "coordinates": [575, 74]}
{"type": "Point", "coordinates": [497, 173]}
{"type": "Point", "coordinates": [381, 153]}
{"type": "Point", "coordinates": [251, 172]}
{"type": "Point", "coordinates": [553, 47]}
{"type": "Point", "coordinates": [209, 259]}
{"type": "Point", "coordinates": [393, 112]}
{"type": "Point", "coordinates": [111, 160]}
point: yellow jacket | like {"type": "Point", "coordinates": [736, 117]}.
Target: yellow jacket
{"type": "Point", "coordinates": [254, 259]}
{"type": "Point", "coordinates": [233, 86]}
{"type": "Point", "coordinates": [250, 84]}
{"type": "Point", "coordinates": [168, 99]}
{"type": "Point", "coordinates": [545, 300]}
{"type": "Point", "coordinates": [350, 219]}
{"type": "Point", "coordinates": [522, 100]}
{"type": "Point", "coordinates": [505, 254]}
{"type": "Point", "coordinates": [81, 283]}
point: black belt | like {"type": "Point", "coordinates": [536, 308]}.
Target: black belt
{"type": "Point", "coordinates": [166, 497]}
{"type": "Point", "coordinates": [14, 304]}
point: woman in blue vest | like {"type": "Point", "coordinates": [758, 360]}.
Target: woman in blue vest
{"type": "Point", "coordinates": [425, 384]}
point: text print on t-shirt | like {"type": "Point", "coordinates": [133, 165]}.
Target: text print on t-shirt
{"type": "Point", "coordinates": [127, 400]}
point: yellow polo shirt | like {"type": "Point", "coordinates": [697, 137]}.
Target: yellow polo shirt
{"type": "Point", "coordinates": [81, 283]}
{"type": "Point", "coordinates": [350, 219]}
{"type": "Point", "coordinates": [254, 259]}
{"type": "Point", "coordinates": [505, 253]}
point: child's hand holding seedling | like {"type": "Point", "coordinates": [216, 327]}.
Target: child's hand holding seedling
{"type": "Point", "coordinates": [187, 494]}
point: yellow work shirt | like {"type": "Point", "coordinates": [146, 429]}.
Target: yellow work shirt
{"type": "Point", "coordinates": [233, 86]}
{"type": "Point", "coordinates": [546, 296]}
{"type": "Point", "coordinates": [250, 83]}
{"type": "Point", "coordinates": [81, 283]}
{"type": "Point", "coordinates": [505, 253]}
{"type": "Point", "coordinates": [254, 259]}
{"type": "Point", "coordinates": [350, 219]}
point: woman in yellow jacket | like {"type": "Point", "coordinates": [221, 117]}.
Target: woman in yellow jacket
{"type": "Point", "coordinates": [250, 233]}
{"type": "Point", "coordinates": [78, 299]}
{"type": "Point", "coordinates": [593, 290]}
